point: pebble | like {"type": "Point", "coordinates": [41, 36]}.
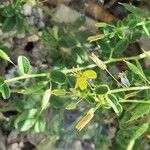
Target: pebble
{"type": "Point", "coordinates": [41, 25]}
{"type": "Point", "coordinates": [27, 9]}
{"type": "Point", "coordinates": [12, 136]}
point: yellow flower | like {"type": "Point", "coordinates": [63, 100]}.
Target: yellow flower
{"type": "Point", "coordinates": [82, 77]}
{"type": "Point", "coordinates": [85, 120]}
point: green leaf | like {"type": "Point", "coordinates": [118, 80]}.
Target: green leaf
{"type": "Point", "coordinates": [79, 55]}
{"type": "Point", "coordinates": [4, 56]}
{"type": "Point", "coordinates": [58, 77]}
{"type": "Point", "coordinates": [71, 106]}
{"type": "Point", "coordinates": [122, 45]}
{"type": "Point", "coordinates": [24, 65]}
{"type": "Point", "coordinates": [79, 22]}
{"type": "Point", "coordinates": [140, 130]}
{"type": "Point", "coordinates": [4, 89]}
{"type": "Point", "coordinates": [67, 41]}
{"type": "Point", "coordinates": [48, 37]}
{"type": "Point", "coordinates": [59, 92]}
{"type": "Point", "coordinates": [139, 111]}
{"type": "Point", "coordinates": [133, 9]}
{"type": "Point", "coordinates": [45, 99]}
{"type": "Point", "coordinates": [105, 46]}
{"type": "Point", "coordinates": [146, 30]}
{"type": "Point", "coordinates": [113, 102]}
{"type": "Point", "coordinates": [90, 99]}
{"type": "Point", "coordinates": [135, 36]}
{"type": "Point", "coordinates": [35, 87]}
{"type": "Point", "coordinates": [102, 89]}
{"type": "Point", "coordinates": [19, 24]}
{"type": "Point", "coordinates": [26, 120]}
{"type": "Point", "coordinates": [134, 69]}
{"type": "Point", "coordinates": [8, 24]}
{"type": "Point", "coordinates": [56, 102]}
{"type": "Point", "coordinates": [40, 125]}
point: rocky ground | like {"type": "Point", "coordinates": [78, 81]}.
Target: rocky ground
{"type": "Point", "coordinates": [31, 46]}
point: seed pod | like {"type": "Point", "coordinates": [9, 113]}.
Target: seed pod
{"type": "Point", "coordinates": [98, 62]}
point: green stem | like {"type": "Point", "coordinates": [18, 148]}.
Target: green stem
{"type": "Point", "coordinates": [112, 60]}
{"type": "Point", "coordinates": [130, 89]}
{"type": "Point", "coordinates": [130, 144]}
{"type": "Point", "coordinates": [134, 101]}
{"type": "Point", "coordinates": [113, 77]}
{"type": "Point", "coordinates": [141, 56]}
{"type": "Point", "coordinates": [26, 76]}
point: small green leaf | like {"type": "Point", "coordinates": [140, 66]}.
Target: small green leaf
{"type": "Point", "coordinates": [67, 41]}
{"type": "Point", "coordinates": [122, 45]}
{"type": "Point", "coordinates": [40, 125]}
{"type": "Point", "coordinates": [24, 65]}
{"type": "Point", "coordinates": [102, 89]}
{"type": "Point", "coordinates": [139, 111]}
{"type": "Point", "coordinates": [133, 68]}
{"type": "Point", "coordinates": [141, 130]}
{"type": "Point", "coordinates": [56, 102]}
{"type": "Point", "coordinates": [90, 99]}
{"type": "Point", "coordinates": [45, 99]}
{"type": "Point", "coordinates": [79, 22]}
{"type": "Point", "coordinates": [19, 24]}
{"type": "Point", "coordinates": [26, 120]}
{"type": "Point", "coordinates": [3, 55]}
{"type": "Point", "coordinates": [35, 87]}
{"type": "Point", "coordinates": [113, 102]}
{"type": "Point", "coordinates": [4, 89]}
{"type": "Point", "coordinates": [8, 24]}
{"type": "Point", "coordinates": [146, 30]}
{"type": "Point", "coordinates": [105, 46]}
{"type": "Point", "coordinates": [136, 70]}
{"type": "Point", "coordinates": [59, 92]}
{"type": "Point", "coordinates": [58, 77]}
{"type": "Point", "coordinates": [71, 106]}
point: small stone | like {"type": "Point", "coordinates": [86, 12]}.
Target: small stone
{"type": "Point", "coordinates": [27, 9]}
{"type": "Point", "coordinates": [30, 20]}
{"type": "Point", "coordinates": [21, 144]}
{"type": "Point", "coordinates": [12, 136]}
{"type": "Point", "coordinates": [41, 25]}
{"type": "Point", "coordinates": [33, 38]}
{"type": "Point", "coordinates": [40, 13]}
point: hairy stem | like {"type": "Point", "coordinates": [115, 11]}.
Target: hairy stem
{"type": "Point", "coordinates": [130, 89]}
{"type": "Point", "coordinates": [26, 76]}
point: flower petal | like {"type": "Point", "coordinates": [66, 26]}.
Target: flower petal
{"type": "Point", "coordinates": [81, 82]}
{"type": "Point", "coordinates": [90, 74]}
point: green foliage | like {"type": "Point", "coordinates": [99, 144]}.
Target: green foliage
{"type": "Point", "coordinates": [26, 120]}
{"type": "Point", "coordinates": [73, 78]}
{"type": "Point", "coordinates": [11, 16]}
{"type": "Point", "coordinates": [24, 65]}
{"type": "Point", "coordinates": [114, 103]}
{"type": "Point", "coordinates": [58, 77]}
{"type": "Point", "coordinates": [4, 89]}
